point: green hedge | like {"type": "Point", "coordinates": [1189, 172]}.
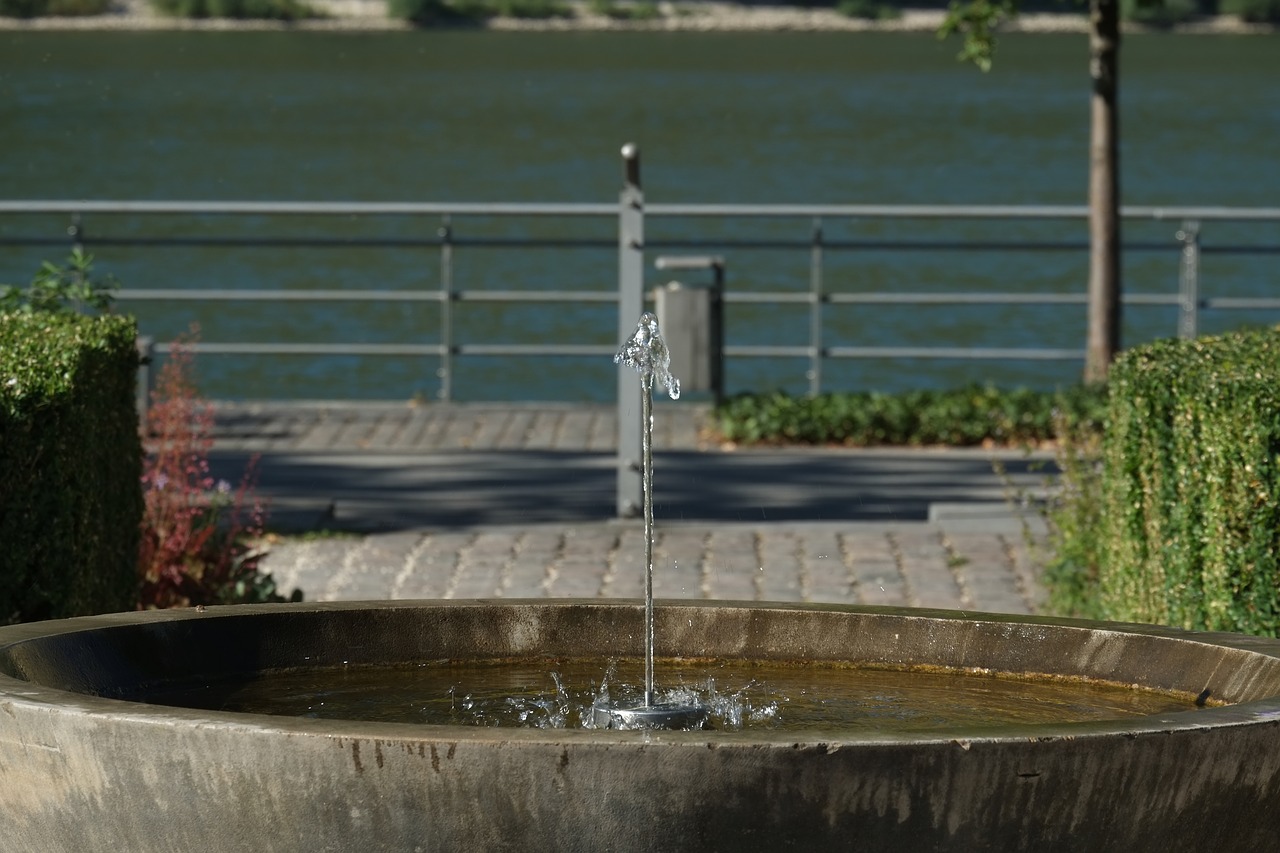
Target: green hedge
{"type": "Point", "coordinates": [1191, 485]}
{"type": "Point", "coordinates": [973, 415]}
{"type": "Point", "coordinates": [70, 465]}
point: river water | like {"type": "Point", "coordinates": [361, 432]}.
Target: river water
{"type": "Point", "coordinates": [539, 117]}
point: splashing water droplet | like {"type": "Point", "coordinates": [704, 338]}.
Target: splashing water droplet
{"type": "Point", "coordinates": [647, 353]}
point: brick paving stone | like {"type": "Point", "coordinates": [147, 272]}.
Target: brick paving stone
{"type": "Point", "coordinates": [488, 429]}
{"type": "Point", "coordinates": [575, 430]}
{"type": "Point", "coordinates": [925, 566]}
{"type": "Point", "coordinates": [780, 558]}
{"type": "Point", "coordinates": [603, 435]}
{"type": "Point", "coordinates": [386, 430]}
{"type": "Point", "coordinates": [824, 576]}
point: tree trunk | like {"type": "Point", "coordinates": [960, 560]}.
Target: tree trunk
{"type": "Point", "coordinates": [1104, 190]}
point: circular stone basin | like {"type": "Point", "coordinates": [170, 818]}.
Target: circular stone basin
{"type": "Point", "coordinates": [82, 767]}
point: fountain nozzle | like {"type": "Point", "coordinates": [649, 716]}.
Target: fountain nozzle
{"type": "Point", "coordinates": [670, 716]}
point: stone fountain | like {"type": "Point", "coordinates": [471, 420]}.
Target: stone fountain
{"type": "Point", "coordinates": [99, 751]}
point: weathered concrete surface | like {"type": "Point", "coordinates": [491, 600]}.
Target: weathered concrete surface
{"type": "Point", "coordinates": [83, 772]}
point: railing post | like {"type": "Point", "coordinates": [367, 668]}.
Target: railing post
{"type": "Point", "coordinates": [815, 310]}
{"type": "Point", "coordinates": [630, 491]}
{"type": "Point", "coordinates": [76, 232]}
{"type": "Point", "coordinates": [146, 346]}
{"type": "Point", "coordinates": [445, 370]}
{"type": "Point", "coordinates": [1189, 280]}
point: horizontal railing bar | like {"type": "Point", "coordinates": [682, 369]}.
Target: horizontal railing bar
{"type": "Point", "coordinates": [351, 295]}
{"type": "Point", "coordinates": [958, 211]}
{"type": "Point", "coordinates": [1240, 302]}
{"type": "Point", "coordinates": [252, 348]}
{"type": "Point", "coordinates": [536, 349]}
{"type": "Point", "coordinates": [236, 295]}
{"type": "Point", "coordinates": [958, 298]}
{"type": "Point", "coordinates": [879, 211]}
{"type": "Point", "coordinates": [1243, 249]}
{"type": "Point", "coordinates": [309, 208]}
{"type": "Point", "coordinates": [534, 296]}
{"type": "Point", "coordinates": [976, 353]}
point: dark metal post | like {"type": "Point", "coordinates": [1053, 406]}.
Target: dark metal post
{"type": "Point", "coordinates": [445, 371]}
{"type": "Point", "coordinates": [146, 376]}
{"type": "Point", "coordinates": [1189, 281]}
{"type": "Point", "coordinates": [630, 497]}
{"type": "Point", "coordinates": [815, 310]}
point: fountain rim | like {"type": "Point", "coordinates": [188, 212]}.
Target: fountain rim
{"type": "Point", "coordinates": [16, 691]}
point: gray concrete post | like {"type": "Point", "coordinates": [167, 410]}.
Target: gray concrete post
{"type": "Point", "coordinates": [630, 492]}
{"type": "Point", "coordinates": [1189, 280]}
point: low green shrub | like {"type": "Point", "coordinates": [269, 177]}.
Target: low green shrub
{"type": "Point", "coordinates": [975, 415]}
{"type": "Point", "coordinates": [1191, 485]}
{"type": "Point", "coordinates": [58, 8]}
{"type": "Point", "coordinates": [1159, 13]}
{"type": "Point", "coordinates": [460, 12]}
{"type": "Point", "coordinates": [273, 10]}
{"type": "Point", "coordinates": [644, 10]}
{"type": "Point", "coordinates": [869, 10]}
{"type": "Point", "coordinates": [70, 463]}
{"type": "Point", "coordinates": [1253, 11]}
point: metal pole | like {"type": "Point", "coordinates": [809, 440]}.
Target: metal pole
{"type": "Point", "coordinates": [445, 371]}
{"type": "Point", "coordinates": [630, 496]}
{"type": "Point", "coordinates": [1189, 281]}
{"type": "Point", "coordinates": [815, 310]}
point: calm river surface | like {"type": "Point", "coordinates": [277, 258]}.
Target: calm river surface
{"type": "Point", "coordinates": [539, 117]}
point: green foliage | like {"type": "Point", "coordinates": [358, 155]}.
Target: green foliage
{"type": "Point", "coordinates": [868, 10]}
{"type": "Point", "coordinates": [976, 22]}
{"type": "Point", "coordinates": [1159, 13]}
{"type": "Point", "coordinates": [969, 416]}
{"type": "Point", "coordinates": [1191, 485]}
{"type": "Point", "coordinates": [70, 462]}
{"type": "Point", "coordinates": [69, 287]}
{"type": "Point", "coordinates": [1074, 522]}
{"type": "Point", "coordinates": [645, 10]}
{"type": "Point", "coordinates": [274, 10]}
{"type": "Point", "coordinates": [1254, 11]}
{"type": "Point", "coordinates": [455, 12]}
{"type": "Point", "coordinates": [59, 8]}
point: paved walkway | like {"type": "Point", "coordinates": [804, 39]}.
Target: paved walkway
{"type": "Point", "coordinates": [516, 501]}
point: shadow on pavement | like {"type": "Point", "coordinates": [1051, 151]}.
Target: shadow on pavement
{"type": "Point", "coordinates": [370, 491]}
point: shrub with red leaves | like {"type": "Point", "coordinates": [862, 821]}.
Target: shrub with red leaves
{"type": "Point", "coordinates": [197, 533]}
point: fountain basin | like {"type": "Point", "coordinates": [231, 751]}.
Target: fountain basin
{"type": "Point", "coordinates": [82, 768]}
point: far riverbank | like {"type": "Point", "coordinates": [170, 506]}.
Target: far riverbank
{"type": "Point", "coordinates": [372, 16]}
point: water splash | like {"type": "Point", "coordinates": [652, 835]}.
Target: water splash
{"type": "Point", "coordinates": [647, 353]}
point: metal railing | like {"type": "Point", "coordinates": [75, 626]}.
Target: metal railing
{"type": "Point", "coordinates": [1186, 240]}
{"type": "Point", "coordinates": [631, 213]}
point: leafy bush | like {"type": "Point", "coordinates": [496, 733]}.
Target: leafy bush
{"type": "Point", "coordinates": [645, 10]}
{"type": "Point", "coordinates": [970, 416]}
{"type": "Point", "coordinates": [69, 464]}
{"type": "Point", "coordinates": [1254, 11]}
{"type": "Point", "coordinates": [197, 534]}
{"type": "Point", "coordinates": [62, 8]}
{"type": "Point", "coordinates": [868, 10]}
{"type": "Point", "coordinates": [274, 10]}
{"type": "Point", "coordinates": [1191, 485]}
{"type": "Point", "coordinates": [69, 287]}
{"type": "Point", "coordinates": [429, 12]}
{"type": "Point", "coordinates": [1074, 522]}
{"type": "Point", "coordinates": [1159, 13]}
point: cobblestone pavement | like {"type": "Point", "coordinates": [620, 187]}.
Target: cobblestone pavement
{"type": "Point", "coordinates": [910, 564]}
{"type": "Point", "coordinates": [461, 462]}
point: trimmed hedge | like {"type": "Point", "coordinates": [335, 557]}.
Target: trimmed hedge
{"type": "Point", "coordinates": [70, 465]}
{"type": "Point", "coordinates": [1191, 485]}
{"type": "Point", "coordinates": [973, 415]}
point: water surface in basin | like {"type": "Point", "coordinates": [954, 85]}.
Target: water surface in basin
{"type": "Point", "coordinates": [559, 693]}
